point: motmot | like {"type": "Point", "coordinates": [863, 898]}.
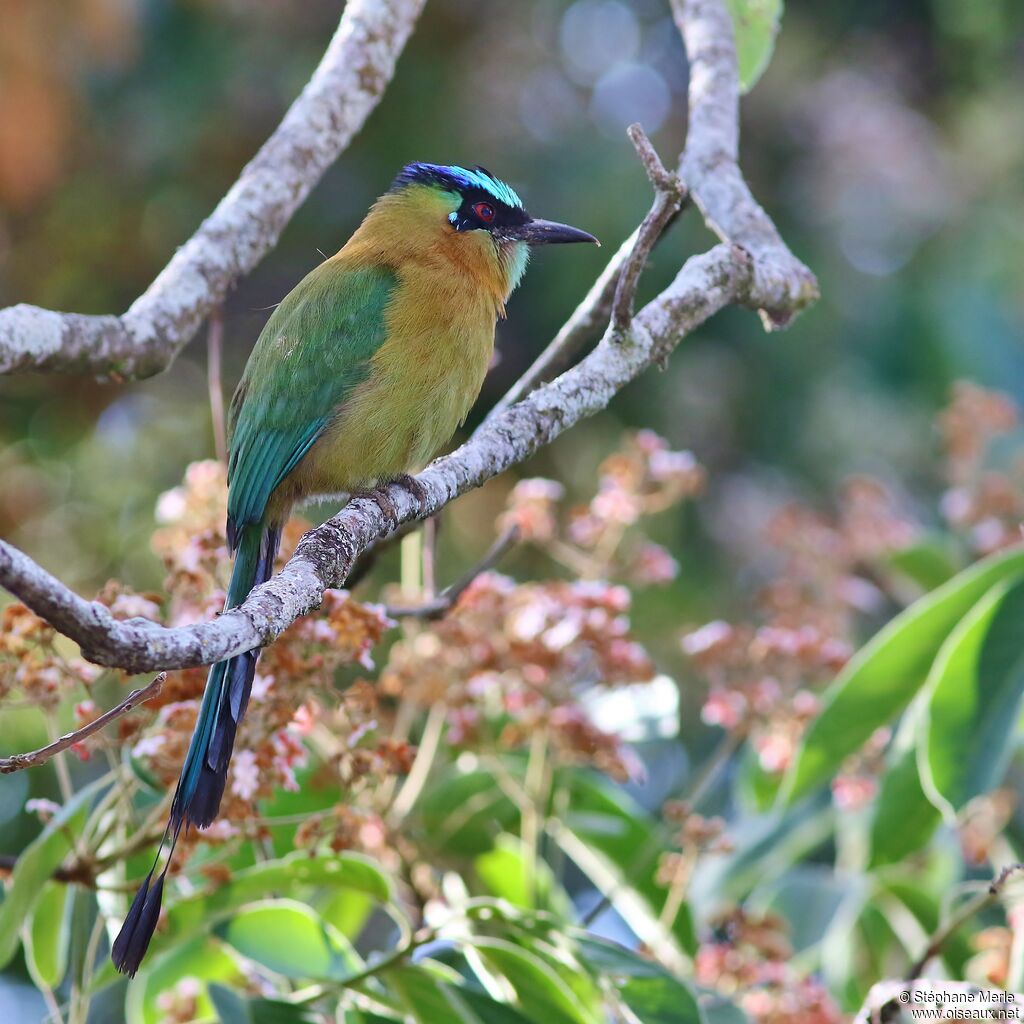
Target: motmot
{"type": "Point", "coordinates": [361, 374]}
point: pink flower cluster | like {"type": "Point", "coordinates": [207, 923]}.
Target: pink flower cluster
{"type": "Point", "coordinates": [512, 658]}
{"type": "Point", "coordinates": [750, 960]}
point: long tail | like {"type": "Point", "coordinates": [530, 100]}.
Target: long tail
{"type": "Point", "coordinates": [205, 771]}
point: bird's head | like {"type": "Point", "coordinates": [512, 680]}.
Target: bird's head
{"type": "Point", "coordinates": [481, 214]}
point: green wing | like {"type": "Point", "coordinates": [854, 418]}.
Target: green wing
{"type": "Point", "coordinates": [315, 348]}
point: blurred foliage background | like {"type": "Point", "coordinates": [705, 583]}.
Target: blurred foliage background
{"type": "Point", "coordinates": [887, 141]}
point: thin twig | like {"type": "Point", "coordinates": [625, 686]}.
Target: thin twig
{"type": "Point", "coordinates": [592, 315]}
{"type": "Point", "coordinates": [449, 597]}
{"type": "Point", "coordinates": [942, 934]}
{"type": "Point", "coordinates": [699, 786]}
{"type": "Point", "coordinates": [34, 758]}
{"type": "Point", "coordinates": [385, 963]}
{"type": "Point", "coordinates": [669, 197]}
{"type": "Point", "coordinates": [214, 347]}
{"type": "Point", "coordinates": [420, 772]}
{"type": "Point", "coordinates": [67, 788]}
{"type": "Point", "coordinates": [586, 325]}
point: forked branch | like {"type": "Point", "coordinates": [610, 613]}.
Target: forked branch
{"type": "Point", "coordinates": [751, 267]}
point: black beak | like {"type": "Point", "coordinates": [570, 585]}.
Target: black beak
{"type": "Point", "coordinates": [548, 232]}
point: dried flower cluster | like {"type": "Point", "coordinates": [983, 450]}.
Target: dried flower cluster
{"type": "Point", "coordinates": [599, 540]}
{"type": "Point", "coordinates": [512, 664]}
{"type": "Point", "coordinates": [294, 686]}
{"type": "Point", "coordinates": [985, 500]}
{"type": "Point", "coordinates": [293, 691]}
{"type": "Point", "coordinates": [750, 960]}
{"type": "Point", "coordinates": [763, 677]}
{"type": "Point", "coordinates": [695, 835]}
{"type": "Point", "coordinates": [34, 664]}
{"type": "Point", "coordinates": [512, 659]}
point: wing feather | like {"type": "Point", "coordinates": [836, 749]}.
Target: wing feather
{"type": "Point", "coordinates": [315, 348]}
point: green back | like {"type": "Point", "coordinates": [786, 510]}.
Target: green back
{"type": "Point", "coordinates": [315, 348]}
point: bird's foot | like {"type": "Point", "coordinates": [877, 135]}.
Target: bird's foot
{"type": "Point", "coordinates": [380, 496]}
{"type": "Point", "coordinates": [383, 501]}
{"type": "Point", "coordinates": [412, 485]}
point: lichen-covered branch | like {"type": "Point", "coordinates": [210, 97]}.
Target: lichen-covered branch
{"type": "Point", "coordinates": [668, 200]}
{"type": "Point", "coordinates": [753, 268]}
{"type": "Point", "coordinates": [709, 165]}
{"type": "Point", "coordinates": [585, 326]}
{"type": "Point", "coordinates": [245, 226]}
{"type": "Point", "coordinates": [326, 555]}
{"type": "Point", "coordinates": [709, 170]}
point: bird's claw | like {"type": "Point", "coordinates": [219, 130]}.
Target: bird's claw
{"type": "Point", "coordinates": [411, 484]}
{"type": "Point", "coordinates": [383, 501]}
{"type": "Point", "coordinates": [379, 495]}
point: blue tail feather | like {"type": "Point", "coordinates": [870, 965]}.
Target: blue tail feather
{"type": "Point", "coordinates": [204, 774]}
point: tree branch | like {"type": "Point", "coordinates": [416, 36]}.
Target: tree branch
{"type": "Point", "coordinates": [887, 999]}
{"type": "Point", "coordinates": [669, 196]}
{"type": "Point", "coordinates": [945, 931]}
{"type": "Point", "coordinates": [709, 170]}
{"type": "Point", "coordinates": [585, 325]}
{"type": "Point", "coordinates": [782, 285]}
{"type": "Point", "coordinates": [245, 226]}
{"type": "Point", "coordinates": [18, 762]}
{"type": "Point", "coordinates": [757, 271]}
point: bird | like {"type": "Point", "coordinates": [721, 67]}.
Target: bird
{"type": "Point", "coordinates": [362, 373]}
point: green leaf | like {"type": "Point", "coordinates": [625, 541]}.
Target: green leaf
{"type": "Point", "coordinates": [348, 911]}
{"type": "Point", "coordinates": [204, 960]}
{"type": "Point", "coordinates": [884, 675]}
{"type": "Point", "coordinates": [652, 994]}
{"type": "Point", "coordinates": [757, 787]}
{"type": "Point", "coordinates": [766, 847]}
{"type": "Point", "coordinates": [231, 1008]}
{"type": "Point", "coordinates": [755, 25]}
{"type": "Point", "coordinates": [616, 844]}
{"type": "Point", "coordinates": [463, 811]}
{"type": "Point", "coordinates": [976, 690]}
{"type": "Point", "coordinates": [903, 819]}
{"type": "Point", "coordinates": [545, 940]}
{"type": "Point", "coordinates": [288, 938]}
{"type": "Point", "coordinates": [48, 934]}
{"type": "Point", "coordinates": [860, 947]}
{"type": "Point", "coordinates": [194, 914]}
{"type": "Point", "coordinates": [490, 1011]}
{"type": "Point", "coordinates": [429, 999]}
{"type": "Point", "coordinates": [807, 897]}
{"type": "Point", "coordinates": [929, 563]}
{"type": "Point", "coordinates": [84, 912]}
{"type": "Point", "coordinates": [352, 1016]}
{"type": "Point", "coordinates": [719, 1010]}
{"type": "Point", "coordinates": [36, 864]}
{"type": "Point", "coordinates": [505, 873]}
{"type": "Point", "coordinates": [540, 994]}
{"type": "Point", "coordinates": [928, 908]}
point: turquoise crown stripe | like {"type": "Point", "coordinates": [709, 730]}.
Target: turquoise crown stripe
{"type": "Point", "coordinates": [450, 176]}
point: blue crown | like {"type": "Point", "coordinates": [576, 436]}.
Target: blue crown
{"type": "Point", "coordinates": [458, 179]}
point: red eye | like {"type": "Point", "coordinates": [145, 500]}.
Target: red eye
{"type": "Point", "coordinates": [484, 211]}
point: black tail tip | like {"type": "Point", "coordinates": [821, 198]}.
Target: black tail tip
{"type": "Point", "coordinates": [133, 939]}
